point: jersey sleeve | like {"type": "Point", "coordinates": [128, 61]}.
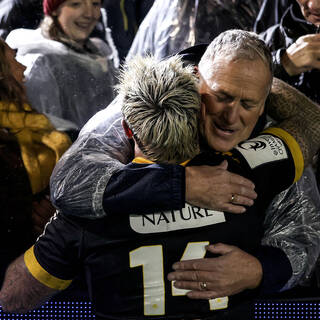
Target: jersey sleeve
{"type": "Point", "coordinates": [293, 147]}
{"type": "Point", "coordinates": [86, 180]}
{"type": "Point", "coordinates": [54, 259]}
{"type": "Point", "coordinates": [273, 159]}
{"type": "Point", "coordinates": [141, 188]}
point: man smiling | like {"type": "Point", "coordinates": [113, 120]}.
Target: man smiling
{"type": "Point", "coordinates": [233, 104]}
{"type": "Point", "coordinates": [126, 259]}
{"type": "Point", "coordinates": [167, 187]}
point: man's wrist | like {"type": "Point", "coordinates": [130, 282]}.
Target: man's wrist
{"type": "Point", "coordinates": [288, 65]}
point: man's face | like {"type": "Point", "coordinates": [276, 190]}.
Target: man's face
{"type": "Point", "coordinates": [233, 94]}
{"type": "Point", "coordinates": [310, 10]}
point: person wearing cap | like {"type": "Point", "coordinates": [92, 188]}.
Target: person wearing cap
{"type": "Point", "coordinates": [69, 76]}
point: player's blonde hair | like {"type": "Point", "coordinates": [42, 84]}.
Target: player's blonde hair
{"type": "Point", "coordinates": [161, 105]}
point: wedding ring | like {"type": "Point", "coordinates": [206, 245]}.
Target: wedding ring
{"type": "Point", "coordinates": [203, 285]}
{"type": "Point", "coordinates": [232, 198]}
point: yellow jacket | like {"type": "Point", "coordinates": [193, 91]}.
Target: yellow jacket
{"type": "Point", "coordinates": [40, 144]}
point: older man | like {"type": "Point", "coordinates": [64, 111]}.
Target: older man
{"type": "Point", "coordinates": [233, 106]}
{"type": "Point", "coordinates": [161, 109]}
{"type": "Point", "coordinates": [81, 183]}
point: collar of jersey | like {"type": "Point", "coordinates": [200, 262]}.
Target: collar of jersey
{"type": "Point", "coordinates": [144, 160]}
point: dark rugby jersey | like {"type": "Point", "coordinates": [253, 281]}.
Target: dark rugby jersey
{"type": "Point", "coordinates": [127, 257]}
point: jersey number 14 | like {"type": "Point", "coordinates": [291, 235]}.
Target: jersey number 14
{"type": "Point", "coordinates": [151, 260]}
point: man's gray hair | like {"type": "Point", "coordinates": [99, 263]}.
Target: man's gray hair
{"type": "Point", "coordinates": [161, 105]}
{"type": "Point", "coordinates": [236, 45]}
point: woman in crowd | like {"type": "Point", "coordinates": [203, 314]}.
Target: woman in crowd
{"type": "Point", "coordinates": [29, 150]}
{"type": "Point", "coordinates": [69, 76]}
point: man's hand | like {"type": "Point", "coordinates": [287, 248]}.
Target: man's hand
{"type": "Point", "coordinates": [228, 274]}
{"type": "Point", "coordinates": [303, 55]}
{"type": "Point", "coordinates": [214, 187]}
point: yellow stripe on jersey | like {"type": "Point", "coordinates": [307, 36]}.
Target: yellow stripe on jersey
{"type": "Point", "coordinates": [185, 163]}
{"type": "Point", "coordinates": [293, 146]}
{"type": "Point", "coordinates": [42, 275]}
{"type": "Point", "coordinates": [141, 160]}
{"type": "Point", "coordinates": [144, 160]}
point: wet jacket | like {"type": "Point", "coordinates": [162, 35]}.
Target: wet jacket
{"type": "Point", "coordinates": [63, 82]}
{"type": "Point", "coordinates": [270, 14]}
{"type": "Point", "coordinates": [171, 26]}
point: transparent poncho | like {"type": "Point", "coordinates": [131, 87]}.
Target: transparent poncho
{"type": "Point", "coordinates": [78, 182]}
{"type": "Point", "coordinates": [173, 25]}
{"type": "Point", "coordinates": [62, 82]}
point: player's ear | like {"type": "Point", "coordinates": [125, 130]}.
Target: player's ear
{"type": "Point", "coordinates": [196, 71]}
{"type": "Point", "coordinates": [127, 130]}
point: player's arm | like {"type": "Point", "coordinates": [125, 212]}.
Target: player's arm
{"type": "Point", "coordinates": [212, 187]}
{"type": "Point", "coordinates": [46, 268]}
{"type": "Point", "coordinates": [90, 180]}
{"type": "Point", "coordinates": [21, 292]}
{"type": "Point", "coordinates": [298, 115]}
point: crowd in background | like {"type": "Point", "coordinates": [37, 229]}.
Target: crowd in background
{"type": "Point", "coordinates": [54, 78]}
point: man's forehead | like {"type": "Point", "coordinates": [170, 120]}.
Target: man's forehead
{"type": "Point", "coordinates": [224, 62]}
{"type": "Point", "coordinates": [238, 77]}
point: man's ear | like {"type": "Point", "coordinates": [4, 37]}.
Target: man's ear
{"type": "Point", "coordinates": [127, 130]}
{"type": "Point", "coordinates": [202, 111]}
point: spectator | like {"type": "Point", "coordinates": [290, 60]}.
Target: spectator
{"type": "Point", "coordinates": [171, 26]}
{"type": "Point", "coordinates": [69, 76]}
{"type": "Point", "coordinates": [161, 105]}
{"type": "Point", "coordinates": [30, 147]}
{"type": "Point", "coordinates": [295, 46]}
{"type": "Point", "coordinates": [15, 14]}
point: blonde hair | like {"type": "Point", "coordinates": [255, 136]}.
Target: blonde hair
{"type": "Point", "coordinates": [161, 105]}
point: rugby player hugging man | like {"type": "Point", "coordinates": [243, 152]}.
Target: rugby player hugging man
{"type": "Point", "coordinates": [126, 257]}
